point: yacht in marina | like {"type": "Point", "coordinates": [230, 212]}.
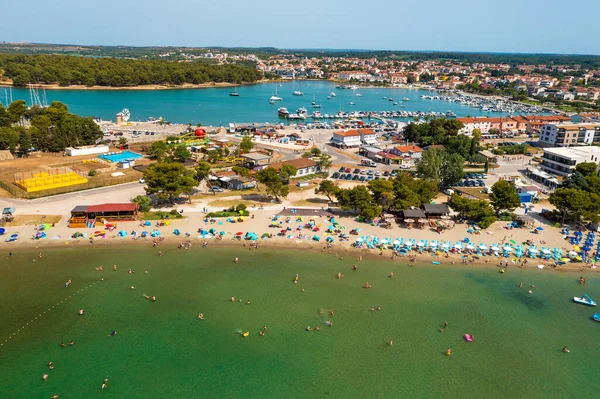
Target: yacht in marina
{"type": "Point", "coordinates": [275, 97]}
{"type": "Point", "coordinates": [332, 94]}
{"type": "Point", "coordinates": [406, 99]}
{"type": "Point", "coordinates": [282, 111]}
{"type": "Point", "coordinates": [298, 93]}
{"type": "Point", "coordinates": [234, 93]}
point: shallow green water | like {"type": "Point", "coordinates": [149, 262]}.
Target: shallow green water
{"type": "Point", "coordinates": [162, 350]}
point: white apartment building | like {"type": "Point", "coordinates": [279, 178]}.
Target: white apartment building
{"type": "Point", "coordinates": [346, 139]}
{"type": "Point", "coordinates": [569, 134]}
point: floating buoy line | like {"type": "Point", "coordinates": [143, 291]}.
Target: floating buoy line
{"type": "Point", "coordinates": [46, 311]}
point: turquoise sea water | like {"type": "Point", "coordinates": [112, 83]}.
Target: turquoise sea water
{"type": "Point", "coordinates": [163, 350]}
{"type": "Point", "coordinates": [214, 106]}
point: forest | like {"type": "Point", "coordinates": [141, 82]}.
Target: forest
{"type": "Point", "coordinates": [72, 70]}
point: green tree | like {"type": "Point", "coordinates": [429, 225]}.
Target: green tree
{"type": "Point", "coordinates": [327, 188]}
{"type": "Point", "coordinates": [576, 205]}
{"type": "Point", "coordinates": [504, 196]}
{"type": "Point", "coordinates": [168, 180]}
{"type": "Point", "coordinates": [24, 142]}
{"type": "Point", "coordinates": [158, 150]}
{"type": "Point", "coordinates": [271, 179]}
{"type": "Point", "coordinates": [9, 139]}
{"type": "Point", "coordinates": [287, 172]}
{"type": "Point", "coordinates": [325, 162]}
{"type": "Point", "coordinates": [246, 145]}
{"type": "Point", "coordinates": [122, 140]}
{"type": "Point", "coordinates": [486, 166]}
{"type": "Point", "coordinates": [240, 170]}
{"type": "Point", "coordinates": [444, 168]}
{"type": "Point", "coordinates": [143, 202]}
{"type": "Point", "coordinates": [478, 211]}
{"type": "Point", "coordinates": [587, 168]}
{"type": "Point", "coordinates": [203, 173]}
{"type": "Point", "coordinates": [181, 153]}
{"type": "Point", "coordinates": [16, 110]}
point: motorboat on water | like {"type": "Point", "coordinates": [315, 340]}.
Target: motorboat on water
{"type": "Point", "coordinates": [234, 93]}
{"type": "Point", "coordinates": [351, 103]}
{"type": "Point", "coordinates": [275, 98]}
{"type": "Point", "coordinates": [451, 114]}
{"type": "Point", "coordinates": [358, 95]}
{"type": "Point", "coordinates": [394, 103]}
{"type": "Point", "coordinates": [298, 93]}
{"type": "Point", "coordinates": [282, 111]}
{"type": "Point", "coordinates": [329, 97]}
{"type": "Point", "coordinates": [597, 316]}
{"type": "Point", "coordinates": [585, 300]}
{"type": "Point", "coordinates": [316, 105]}
{"type": "Point", "coordinates": [406, 99]}
{"type": "Point", "coordinates": [390, 99]}
{"type": "Point", "coordinates": [271, 101]}
{"type": "Point", "coordinates": [332, 94]}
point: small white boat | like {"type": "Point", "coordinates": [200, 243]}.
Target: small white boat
{"type": "Point", "coordinates": [332, 94]}
{"type": "Point", "coordinates": [358, 95]}
{"type": "Point", "coordinates": [585, 300]}
{"type": "Point", "coordinates": [406, 99]}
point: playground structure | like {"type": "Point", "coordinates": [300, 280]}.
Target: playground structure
{"type": "Point", "coordinates": [197, 137]}
{"type": "Point", "coordinates": [41, 180]}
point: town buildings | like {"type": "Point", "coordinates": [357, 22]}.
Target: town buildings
{"type": "Point", "coordinates": [559, 162]}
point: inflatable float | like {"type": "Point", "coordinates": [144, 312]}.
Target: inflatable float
{"type": "Point", "coordinates": [468, 337]}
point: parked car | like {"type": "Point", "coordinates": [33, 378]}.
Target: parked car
{"type": "Point", "coordinates": [369, 178]}
{"type": "Point", "coordinates": [370, 173]}
{"type": "Point", "coordinates": [216, 189]}
{"type": "Point", "coordinates": [386, 173]}
{"type": "Point", "coordinates": [378, 173]}
{"type": "Point", "coordinates": [363, 178]}
{"type": "Point", "coordinates": [349, 176]}
{"type": "Point", "coordinates": [356, 177]}
{"type": "Point", "coordinates": [342, 176]}
{"type": "Point", "coordinates": [356, 171]}
{"type": "Point", "coordinates": [335, 175]}
{"type": "Point", "coordinates": [342, 169]}
{"type": "Point", "coordinates": [363, 172]}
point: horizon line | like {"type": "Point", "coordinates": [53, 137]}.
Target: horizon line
{"type": "Point", "coordinates": [310, 49]}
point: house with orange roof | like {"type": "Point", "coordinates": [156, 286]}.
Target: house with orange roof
{"type": "Point", "coordinates": [346, 138]}
{"type": "Point", "coordinates": [410, 152]}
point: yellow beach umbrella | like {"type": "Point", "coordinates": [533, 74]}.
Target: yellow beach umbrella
{"type": "Point", "coordinates": [576, 248]}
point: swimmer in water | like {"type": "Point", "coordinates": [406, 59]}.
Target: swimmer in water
{"type": "Point", "coordinates": [372, 308]}
{"type": "Point", "coordinates": [63, 345]}
{"type": "Point", "coordinates": [565, 349]}
{"type": "Point", "coordinates": [145, 271]}
{"type": "Point", "coordinates": [113, 333]}
{"type": "Point", "coordinates": [103, 386]}
{"type": "Point", "coordinates": [44, 377]}
{"type": "Point", "coordinates": [132, 287]}
{"type": "Point", "coordinates": [445, 324]}
{"type": "Point", "coordinates": [232, 299]}
{"type": "Point", "coordinates": [317, 328]}
{"type": "Point", "coordinates": [308, 328]}
{"type": "Point", "coordinates": [391, 342]}
{"type": "Point", "coordinates": [355, 268]}
{"type": "Point", "coordinates": [200, 316]}
{"type": "Point", "coordinates": [236, 260]}
{"type": "Point", "coordinates": [392, 275]}
{"type": "Point", "coordinates": [72, 343]}
{"type": "Point", "coordinates": [248, 302]}
{"type": "Point", "coordinates": [262, 333]}
{"type": "Point", "coordinates": [378, 307]}
{"type": "Point", "coordinates": [153, 298]}
{"type": "Point", "coordinates": [339, 275]}
{"type": "Point", "coordinates": [115, 267]}
{"type": "Point", "coordinates": [81, 311]}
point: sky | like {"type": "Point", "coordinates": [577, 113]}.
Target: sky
{"type": "Point", "coordinates": [520, 26]}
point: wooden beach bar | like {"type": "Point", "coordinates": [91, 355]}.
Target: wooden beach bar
{"type": "Point", "coordinates": [95, 215]}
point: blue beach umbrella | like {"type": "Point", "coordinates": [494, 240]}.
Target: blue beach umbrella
{"type": "Point", "coordinates": [540, 228]}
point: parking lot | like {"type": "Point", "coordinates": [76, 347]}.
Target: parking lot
{"type": "Point", "coordinates": [473, 180]}
{"type": "Point", "coordinates": [362, 175]}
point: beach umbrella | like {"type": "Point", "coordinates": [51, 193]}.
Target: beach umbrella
{"type": "Point", "coordinates": [470, 246]}
{"type": "Point", "coordinates": [533, 250]}
{"type": "Point", "coordinates": [239, 233]}
{"type": "Point", "coordinates": [513, 241]}
{"type": "Point", "coordinates": [147, 223]}
{"type": "Point", "coordinates": [446, 245]}
{"type": "Point", "coordinates": [222, 233]}
{"type": "Point", "coordinates": [265, 235]}
{"type": "Point", "coordinates": [540, 228]}
{"type": "Point", "coordinates": [316, 238]}
{"type": "Point", "coordinates": [420, 243]}
{"type": "Point", "coordinates": [2, 230]}
{"type": "Point", "coordinates": [409, 221]}
{"type": "Point", "coordinates": [576, 248]}
{"type": "Point", "coordinates": [329, 239]}
{"type": "Point", "coordinates": [359, 239]}
{"type": "Point", "coordinates": [458, 245]}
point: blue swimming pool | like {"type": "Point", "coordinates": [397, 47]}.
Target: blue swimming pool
{"type": "Point", "coordinates": [120, 156]}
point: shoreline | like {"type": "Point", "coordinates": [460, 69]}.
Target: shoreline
{"type": "Point", "coordinates": [139, 87]}
{"type": "Point", "coordinates": [278, 243]}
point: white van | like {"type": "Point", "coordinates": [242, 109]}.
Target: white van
{"type": "Point", "coordinates": [368, 162]}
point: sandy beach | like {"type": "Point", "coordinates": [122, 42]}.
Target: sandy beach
{"type": "Point", "coordinates": [56, 86]}
{"type": "Point", "coordinates": [194, 219]}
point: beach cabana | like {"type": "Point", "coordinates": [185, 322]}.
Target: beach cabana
{"type": "Point", "coordinates": [435, 211]}
{"type": "Point", "coordinates": [412, 214]}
